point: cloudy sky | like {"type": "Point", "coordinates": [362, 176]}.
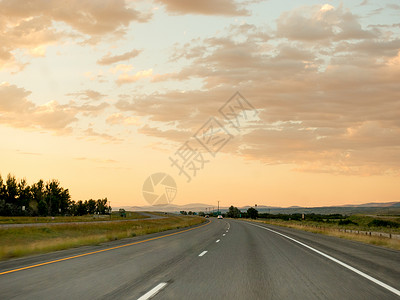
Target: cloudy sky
{"type": "Point", "coordinates": [102, 94]}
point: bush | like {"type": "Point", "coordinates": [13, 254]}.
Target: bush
{"type": "Point", "coordinates": [383, 223]}
{"type": "Point", "coordinates": [347, 222]}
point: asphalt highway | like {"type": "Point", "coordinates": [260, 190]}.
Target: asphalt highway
{"type": "Point", "coordinates": [225, 259]}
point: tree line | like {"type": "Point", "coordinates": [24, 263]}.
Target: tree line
{"type": "Point", "coordinates": [233, 212]}
{"type": "Point", "coordinates": [184, 212]}
{"type": "Point", "coordinates": [17, 198]}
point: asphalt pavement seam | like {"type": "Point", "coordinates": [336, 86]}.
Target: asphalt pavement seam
{"type": "Point", "coordinates": [370, 278]}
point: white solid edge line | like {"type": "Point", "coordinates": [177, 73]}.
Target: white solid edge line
{"type": "Point", "coordinates": [217, 241]}
{"type": "Point", "coordinates": [202, 253]}
{"type": "Point", "coordinates": [378, 282]}
{"type": "Point", "coordinates": [153, 291]}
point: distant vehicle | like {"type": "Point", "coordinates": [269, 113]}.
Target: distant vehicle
{"type": "Point", "coordinates": [220, 217]}
{"type": "Point", "coordinates": [207, 216]}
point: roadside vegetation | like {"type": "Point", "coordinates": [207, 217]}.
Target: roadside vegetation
{"type": "Point", "coordinates": [375, 230]}
{"type": "Point", "coordinates": [17, 198]}
{"type": "Point", "coordinates": [381, 230]}
{"type": "Point", "coordinates": [22, 241]}
{"type": "Point", "coordinates": [387, 224]}
{"type": "Point", "coordinates": [67, 219]}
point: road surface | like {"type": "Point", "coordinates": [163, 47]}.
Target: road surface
{"type": "Point", "coordinates": [224, 259]}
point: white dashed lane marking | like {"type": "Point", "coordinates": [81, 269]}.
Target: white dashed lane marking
{"type": "Point", "coordinates": [153, 291]}
{"type": "Point", "coordinates": [202, 253]}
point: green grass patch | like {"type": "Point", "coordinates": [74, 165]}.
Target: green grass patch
{"type": "Point", "coordinates": [386, 224]}
{"type": "Point", "coordinates": [376, 223]}
{"type": "Point", "coordinates": [17, 242]}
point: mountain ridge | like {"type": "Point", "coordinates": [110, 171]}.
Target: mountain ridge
{"type": "Point", "coordinates": [391, 207]}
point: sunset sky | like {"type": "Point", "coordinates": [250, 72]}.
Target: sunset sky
{"type": "Point", "coordinates": [102, 94]}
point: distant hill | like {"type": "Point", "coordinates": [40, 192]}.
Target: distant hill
{"type": "Point", "coordinates": [374, 204]}
{"type": "Point", "coordinates": [169, 208]}
{"type": "Point", "coordinates": [366, 208]}
{"type": "Point", "coordinates": [388, 208]}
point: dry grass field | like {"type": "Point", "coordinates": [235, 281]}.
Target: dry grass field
{"type": "Point", "coordinates": [22, 241]}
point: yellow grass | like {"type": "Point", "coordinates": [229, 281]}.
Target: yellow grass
{"type": "Point", "coordinates": [59, 219]}
{"type": "Point", "coordinates": [333, 231]}
{"type": "Point", "coordinates": [17, 242]}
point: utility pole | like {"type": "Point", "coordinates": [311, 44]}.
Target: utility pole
{"type": "Point", "coordinates": [218, 209]}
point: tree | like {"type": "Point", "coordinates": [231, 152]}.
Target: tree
{"type": "Point", "coordinates": [233, 212]}
{"type": "Point", "coordinates": [65, 201]}
{"type": "Point", "coordinates": [101, 206]}
{"type": "Point", "coordinates": [81, 208]}
{"type": "Point", "coordinates": [9, 205]}
{"type": "Point", "coordinates": [11, 190]}
{"type": "Point", "coordinates": [2, 197]}
{"type": "Point", "coordinates": [2, 189]}
{"type": "Point", "coordinates": [42, 208]}
{"type": "Point", "coordinates": [44, 199]}
{"type": "Point", "coordinates": [73, 208]}
{"type": "Point", "coordinates": [122, 212]}
{"type": "Point", "coordinates": [37, 192]}
{"type": "Point", "coordinates": [24, 196]}
{"type": "Point", "coordinates": [57, 198]}
{"type": "Point", "coordinates": [52, 192]}
{"type": "Point", "coordinates": [252, 213]}
{"type": "Point", "coordinates": [91, 206]}
{"type": "Point", "coordinates": [183, 212]}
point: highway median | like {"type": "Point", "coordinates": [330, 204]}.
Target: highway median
{"type": "Point", "coordinates": [23, 241]}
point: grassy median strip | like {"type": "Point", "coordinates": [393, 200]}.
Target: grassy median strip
{"type": "Point", "coordinates": [64, 219]}
{"type": "Point", "coordinates": [18, 242]}
{"type": "Point", "coordinates": [333, 230]}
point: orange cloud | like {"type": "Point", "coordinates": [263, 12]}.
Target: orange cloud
{"type": "Point", "coordinates": [98, 160]}
{"type": "Point", "coordinates": [89, 110]}
{"type": "Point", "coordinates": [127, 78]}
{"type": "Point", "coordinates": [108, 59]}
{"type": "Point", "coordinates": [17, 111]}
{"type": "Point", "coordinates": [327, 106]}
{"type": "Point", "coordinates": [92, 134]}
{"type": "Point", "coordinates": [88, 95]}
{"type": "Point", "coordinates": [320, 22]}
{"type": "Point", "coordinates": [118, 118]}
{"type": "Point", "coordinates": [204, 7]}
{"type": "Point", "coordinates": [30, 24]}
